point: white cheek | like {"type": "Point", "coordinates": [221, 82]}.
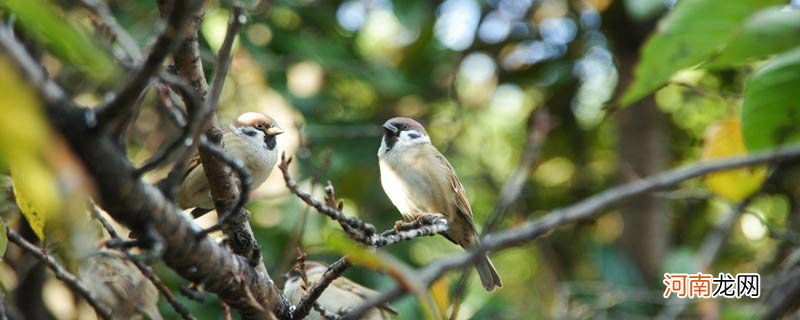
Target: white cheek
{"type": "Point", "coordinates": [411, 137]}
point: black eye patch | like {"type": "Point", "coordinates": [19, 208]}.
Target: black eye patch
{"type": "Point", "coordinates": [249, 131]}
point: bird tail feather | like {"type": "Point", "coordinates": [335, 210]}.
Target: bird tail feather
{"type": "Point", "coordinates": [488, 274]}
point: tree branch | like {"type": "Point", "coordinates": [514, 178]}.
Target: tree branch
{"type": "Point", "coordinates": [583, 210]}
{"type": "Point", "coordinates": [246, 181]}
{"type": "Point", "coordinates": [183, 143]}
{"type": "Point", "coordinates": [62, 274]}
{"type": "Point", "coordinates": [328, 315]}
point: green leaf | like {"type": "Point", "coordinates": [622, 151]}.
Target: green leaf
{"type": "Point", "coordinates": [690, 34]}
{"type": "Point", "coordinates": [3, 240]}
{"type": "Point", "coordinates": [62, 37]}
{"type": "Point", "coordinates": [771, 111]}
{"type": "Point", "coordinates": [770, 31]}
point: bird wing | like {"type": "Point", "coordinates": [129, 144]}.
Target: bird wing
{"type": "Point", "coordinates": [193, 163]}
{"type": "Point", "coordinates": [461, 201]}
{"type": "Point", "coordinates": [195, 160]}
{"type": "Point", "coordinates": [361, 291]}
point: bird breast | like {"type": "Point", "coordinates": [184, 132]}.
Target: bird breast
{"type": "Point", "coordinates": [257, 159]}
{"type": "Point", "coordinates": [414, 184]}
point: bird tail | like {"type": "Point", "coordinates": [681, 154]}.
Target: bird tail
{"type": "Point", "coordinates": [488, 274]}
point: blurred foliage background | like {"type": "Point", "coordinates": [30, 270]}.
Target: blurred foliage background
{"type": "Point", "coordinates": [473, 72]}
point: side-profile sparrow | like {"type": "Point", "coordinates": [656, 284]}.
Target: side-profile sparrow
{"type": "Point", "coordinates": [250, 139]}
{"type": "Point", "coordinates": [118, 284]}
{"type": "Point", "coordinates": [343, 295]}
{"type": "Point", "coordinates": [420, 181]}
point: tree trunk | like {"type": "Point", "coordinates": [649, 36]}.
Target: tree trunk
{"type": "Point", "coordinates": [643, 150]}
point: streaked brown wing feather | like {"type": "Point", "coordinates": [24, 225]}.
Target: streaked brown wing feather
{"type": "Point", "coordinates": [361, 291]}
{"type": "Point", "coordinates": [193, 163]}
{"type": "Point", "coordinates": [461, 201]}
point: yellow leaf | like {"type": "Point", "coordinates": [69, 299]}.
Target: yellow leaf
{"type": "Point", "coordinates": [23, 145]}
{"type": "Point", "coordinates": [37, 196]}
{"type": "Point", "coordinates": [725, 140]}
{"type": "Point", "coordinates": [440, 293]}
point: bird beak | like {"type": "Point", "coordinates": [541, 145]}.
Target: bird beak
{"type": "Point", "coordinates": [274, 131]}
{"type": "Point", "coordinates": [390, 127]}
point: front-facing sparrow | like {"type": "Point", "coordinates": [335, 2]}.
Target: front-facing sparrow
{"type": "Point", "coordinates": [420, 181]}
{"type": "Point", "coordinates": [250, 139]}
{"type": "Point", "coordinates": [342, 296]}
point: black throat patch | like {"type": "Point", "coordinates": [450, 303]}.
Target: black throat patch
{"type": "Point", "coordinates": [271, 142]}
{"type": "Point", "coordinates": [389, 140]}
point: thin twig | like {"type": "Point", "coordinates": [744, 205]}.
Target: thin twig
{"type": "Point", "coordinates": [167, 101]}
{"type": "Point", "coordinates": [297, 235]}
{"type": "Point", "coordinates": [709, 249]}
{"type": "Point", "coordinates": [334, 271]}
{"type": "Point", "coordinates": [120, 35]}
{"type": "Point", "coordinates": [301, 265]}
{"type": "Point", "coordinates": [539, 126]}
{"type": "Point", "coordinates": [351, 223]}
{"type": "Point", "coordinates": [183, 143]}
{"type": "Point", "coordinates": [235, 22]}
{"type": "Point", "coordinates": [167, 41]}
{"type": "Point", "coordinates": [62, 274]}
{"type": "Point", "coordinates": [146, 271]}
{"type": "Point", "coordinates": [580, 211]}
{"type": "Point", "coordinates": [359, 230]}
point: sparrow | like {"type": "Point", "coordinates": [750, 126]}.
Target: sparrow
{"type": "Point", "coordinates": [340, 297]}
{"type": "Point", "coordinates": [250, 139]}
{"type": "Point", "coordinates": [420, 181]}
{"type": "Point", "coordinates": [118, 284]}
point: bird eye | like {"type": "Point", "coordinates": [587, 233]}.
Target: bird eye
{"type": "Point", "coordinates": [259, 126]}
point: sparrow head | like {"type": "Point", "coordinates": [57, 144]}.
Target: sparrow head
{"type": "Point", "coordinates": [258, 121]}
{"type": "Point", "coordinates": [403, 132]}
{"type": "Point", "coordinates": [258, 125]}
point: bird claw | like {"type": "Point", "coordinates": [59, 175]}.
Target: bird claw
{"type": "Point", "coordinates": [402, 225]}
{"type": "Point", "coordinates": [194, 292]}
